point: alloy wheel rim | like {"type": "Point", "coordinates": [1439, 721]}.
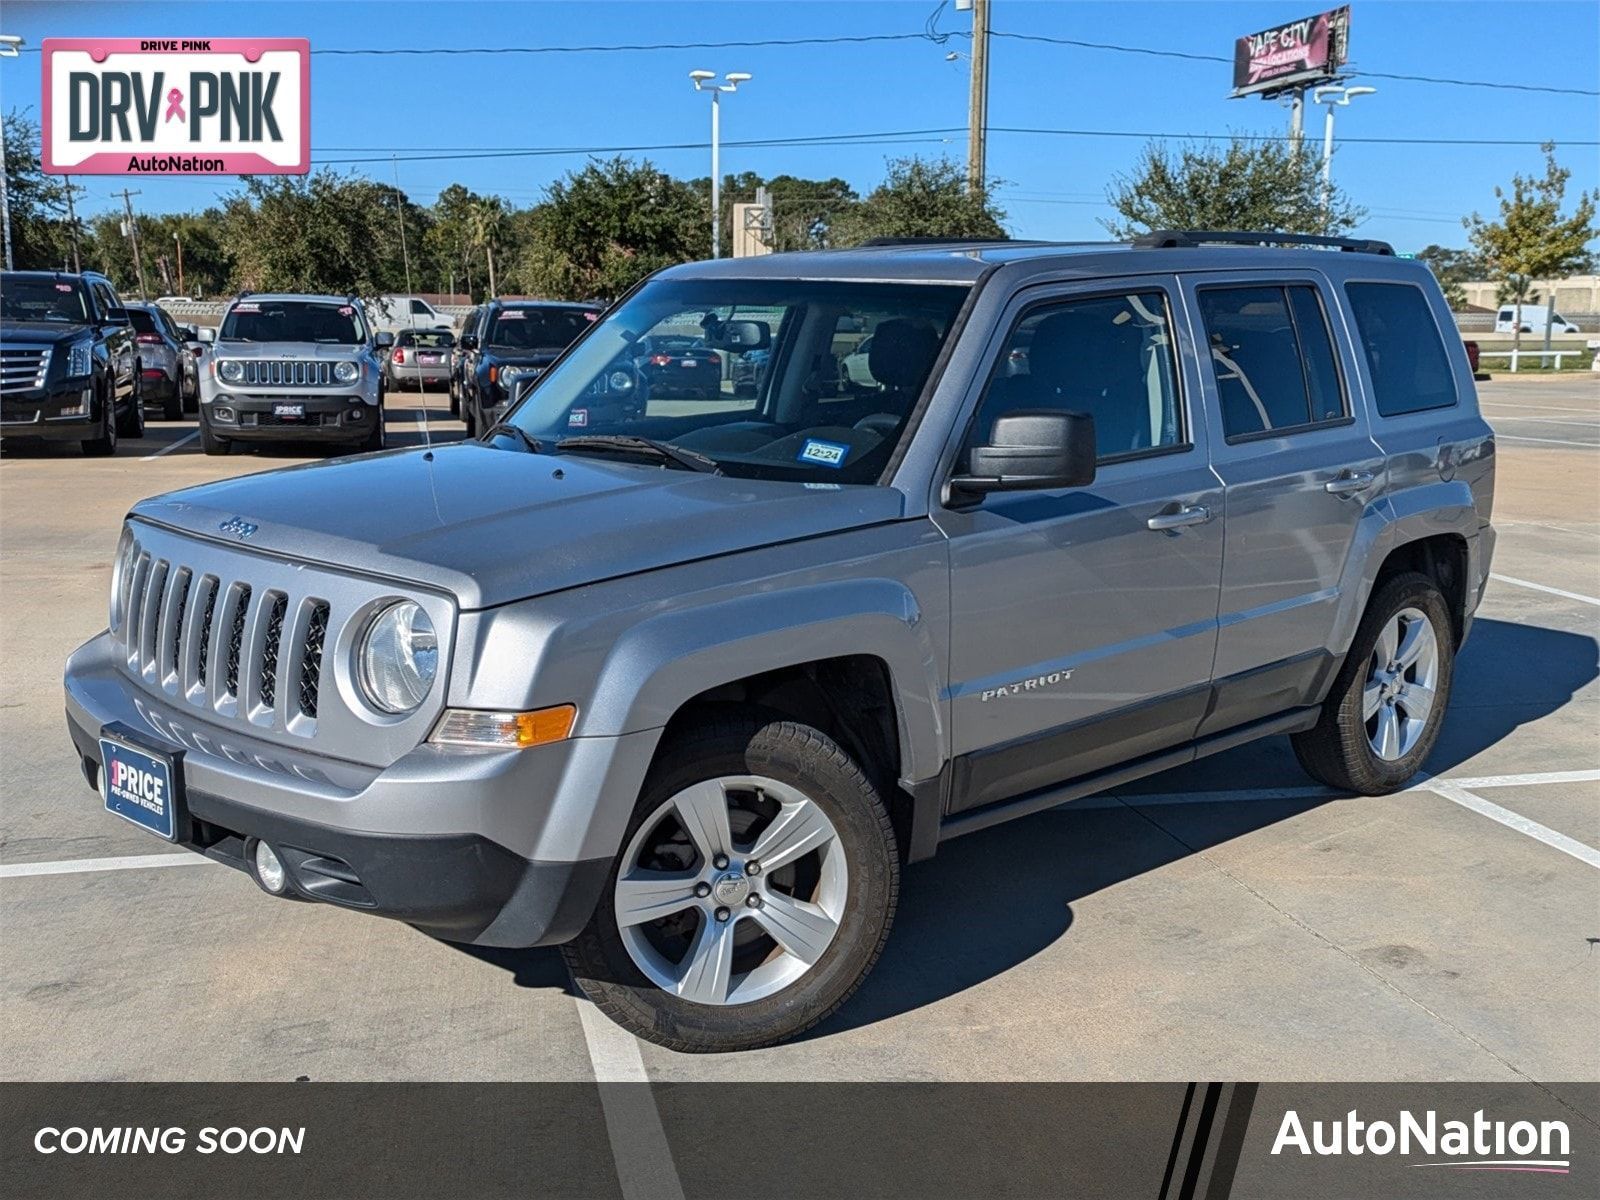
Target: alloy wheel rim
{"type": "Point", "coordinates": [1399, 694]}
{"type": "Point", "coordinates": [731, 890]}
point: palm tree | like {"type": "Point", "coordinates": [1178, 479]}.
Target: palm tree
{"type": "Point", "coordinates": [486, 220]}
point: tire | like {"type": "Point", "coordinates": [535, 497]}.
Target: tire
{"type": "Point", "coordinates": [131, 424]}
{"type": "Point", "coordinates": [210, 443]}
{"type": "Point", "coordinates": [191, 400]}
{"type": "Point", "coordinates": [172, 406]}
{"type": "Point", "coordinates": [1343, 749]}
{"type": "Point", "coordinates": [853, 876]}
{"type": "Point", "coordinates": [105, 445]}
{"type": "Point", "coordinates": [469, 418]}
{"type": "Point", "coordinates": [455, 400]}
{"type": "Point", "coordinates": [375, 439]}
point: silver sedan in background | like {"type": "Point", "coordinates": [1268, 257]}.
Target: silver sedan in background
{"type": "Point", "coordinates": [420, 358]}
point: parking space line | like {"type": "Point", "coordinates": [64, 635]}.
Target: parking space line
{"type": "Point", "coordinates": [1544, 587]}
{"type": "Point", "coordinates": [1506, 437]}
{"type": "Point", "coordinates": [1532, 779]}
{"type": "Point", "coordinates": [134, 862]}
{"type": "Point", "coordinates": [633, 1122]}
{"type": "Point", "coordinates": [168, 449]}
{"type": "Point", "coordinates": [1509, 407]}
{"type": "Point", "coordinates": [1457, 794]}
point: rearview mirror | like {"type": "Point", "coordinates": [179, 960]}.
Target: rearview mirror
{"type": "Point", "coordinates": [384, 340]}
{"type": "Point", "coordinates": [1032, 450]}
{"type": "Point", "coordinates": [739, 335]}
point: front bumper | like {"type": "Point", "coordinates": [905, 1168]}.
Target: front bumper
{"type": "Point", "coordinates": [331, 417]}
{"type": "Point", "coordinates": [495, 848]}
{"type": "Point", "coordinates": [38, 412]}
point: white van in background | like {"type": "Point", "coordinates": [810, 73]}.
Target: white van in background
{"type": "Point", "coordinates": [1534, 318]}
{"type": "Point", "coordinates": [394, 313]}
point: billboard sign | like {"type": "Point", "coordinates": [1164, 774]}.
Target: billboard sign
{"type": "Point", "coordinates": [148, 106]}
{"type": "Point", "coordinates": [1296, 54]}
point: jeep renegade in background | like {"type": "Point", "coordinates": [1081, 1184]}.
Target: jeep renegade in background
{"type": "Point", "coordinates": [293, 368]}
{"type": "Point", "coordinates": [681, 683]}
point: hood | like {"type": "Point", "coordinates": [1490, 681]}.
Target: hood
{"type": "Point", "coordinates": [48, 332]}
{"type": "Point", "coordinates": [296, 350]}
{"type": "Point", "coordinates": [492, 526]}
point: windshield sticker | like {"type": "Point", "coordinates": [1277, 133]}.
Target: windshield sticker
{"type": "Point", "coordinates": [513, 314]}
{"type": "Point", "coordinates": [824, 454]}
{"type": "Point", "coordinates": [247, 308]}
{"type": "Point", "coordinates": [589, 316]}
{"type": "Point", "coordinates": [63, 287]}
{"type": "Point", "coordinates": [822, 487]}
{"type": "Point", "coordinates": [578, 418]}
{"type": "Point", "coordinates": [345, 310]}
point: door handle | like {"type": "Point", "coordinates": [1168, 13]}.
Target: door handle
{"type": "Point", "coordinates": [1193, 514]}
{"type": "Point", "coordinates": [1349, 482]}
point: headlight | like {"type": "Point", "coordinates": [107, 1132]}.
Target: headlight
{"type": "Point", "coordinates": [620, 381]}
{"type": "Point", "coordinates": [346, 372]}
{"type": "Point", "coordinates": [399, 658]}
{"type": "Point", "coordinates": [231, 371]}
{"type": "Point", "coordinates": [80, 358]}
{"type": "Point", "coordinates": [509, 373]}
{"type": "Point", "coordinates": [120, 578]}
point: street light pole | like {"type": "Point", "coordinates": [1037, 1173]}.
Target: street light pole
{"type": "Point", "coordinates": [1331, 97]}
{"type": "Point", "coordinates": [9, 46]}
{"type": "Point", "coordinates": [702, 83]}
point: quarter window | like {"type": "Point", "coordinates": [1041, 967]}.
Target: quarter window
{"type": "Point", "coordinates": [1272, 358]}
{"type": "Point", "coordinates": [1108, 356]}
{"type": "Point", "coordinates": [1405, 354]}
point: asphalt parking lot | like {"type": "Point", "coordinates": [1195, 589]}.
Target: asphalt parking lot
{"type": "Point", "coordinates": [1223, 921]}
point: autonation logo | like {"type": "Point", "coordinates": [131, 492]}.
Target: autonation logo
{"type": "Point", "coordinates": [1480, 1144]}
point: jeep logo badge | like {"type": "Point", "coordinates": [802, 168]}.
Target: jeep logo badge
{"type": "Point", "coordinates": [239, 527]}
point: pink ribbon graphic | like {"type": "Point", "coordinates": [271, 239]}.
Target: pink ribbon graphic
{"type": "Point", "coordinates": [175, 105]}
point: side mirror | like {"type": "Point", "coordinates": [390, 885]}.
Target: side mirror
{"type": "Point", "coordinates": [1034, 450]}
{"type": "Point", "coordinates": [739, 335]}
{"type": "Point", "coordinates": [384, 340]}
{"type": "Point", "coordinates": [189, 332]}
{"type": "Point", "coordinates": [468, 341]}
{"type": "Point", "coordinates": [207, 334]}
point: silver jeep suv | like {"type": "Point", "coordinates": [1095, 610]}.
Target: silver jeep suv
{"type": "Point", "coordinates": [682, 684]}
{"type": "Point", "coordinates": [294, 368]}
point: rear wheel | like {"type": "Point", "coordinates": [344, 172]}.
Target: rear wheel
{"type": "Point", "coordinates": [172, 406]}
{"type": "Point", "coordinates": [755, 890]}
{"type": "Point", "coordinates": [1383, 715]}
{"type": "Point", "coordinates": [131, 424]}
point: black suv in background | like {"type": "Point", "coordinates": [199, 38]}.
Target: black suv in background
{"type": "Point", "coordinates": [69, 365]}
{"type": "Point", "coordinates": [509, 340]}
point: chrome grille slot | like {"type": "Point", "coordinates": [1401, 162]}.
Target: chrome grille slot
{"type": "Point", "coordinates": [170, 629]}
{"type": "Point", "coordinates": [241, 605]}
{"type": "Point", "coordinates": [150, 617]}
{"type": "Point", "coordinates": [272, 643]}
{"type": "Point", "coordinates": [193, 648]}
{"type": "Point", "coordinates": [23, 368]}
{"type": "Point", "coordinates": [133, 607]}
{"type": "Point", "coordinates": [311, 662]}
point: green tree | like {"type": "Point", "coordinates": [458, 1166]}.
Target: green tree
{"type": "Point", "coordinates": [802, 212]}
{"type": "Point", "coordinates": [40, 235]}
{"type": "Point", "coordinates": [448, 246]}
{"type": "Point", "coordinates": [1532, 240]}
{"type": "Point", "coordinates": [1265, 186]}
{"type": "Point", "coordinates": [921, 198]}
{"type": "Point", "coordinates": [486, 226]}
{"type": "Point", "coordinates": [604, 228]}
{"type": "Point", "coordinates": [1452, 268]}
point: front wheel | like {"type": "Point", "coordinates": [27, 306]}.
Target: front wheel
{"type": "Point", "coordinates": [106, 444]}
{"type": "Point", "coordinates": [755, 890]}
{"type": "Point", "coordinates": [375, 437]}
{"type": "Point", "coordinates": [1384, 712]}
{"type": "Point", "coordinates": [210, 443]}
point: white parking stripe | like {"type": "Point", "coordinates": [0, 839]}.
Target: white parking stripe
{"type": "Point", "coordinates": [169, 448]}
{"type": "Point", "coordinates": [633, 1123]}
{"type": "Point", "coordinates": [1509, 407]}
{"type": "Point", "coordinates": [135, 862]}
{"type": "Point", "coordinates": [1459, 795]}
{"type": "Point", "coordinates": [1506, 437]}
{"type": "Point", "coordinates": [1533, 779]}
{"type": "Point", "coordinates": [1544, 587]}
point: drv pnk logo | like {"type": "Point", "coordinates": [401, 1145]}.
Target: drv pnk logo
{"type": "Point", "coordinates": [211, 106]}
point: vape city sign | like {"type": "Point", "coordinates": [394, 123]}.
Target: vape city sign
{"type": "Point", "coordinates": [208, 106]}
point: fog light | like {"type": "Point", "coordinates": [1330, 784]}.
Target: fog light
{"type": "Point", "coordinates": [221, 413]}
{"type": "Point", "coordinates": [508, 730]}
{"type": "Point", "coordinates": [79, 409]}
{"type": "Point", "coordinates": [269, 869]}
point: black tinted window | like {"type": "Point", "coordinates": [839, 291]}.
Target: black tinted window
{"type": "Point", "coordinates": [143, 322]}
{"type": "Point", "coordinates": [1108, 356]}
{"type": "Point", "coordinates": [1405, 355]}
{"type": "Point", "coordinates": [1272, 358]}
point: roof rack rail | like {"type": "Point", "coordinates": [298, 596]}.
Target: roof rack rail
{"type": "Point", "coordinates": [1170, 238]}
{"type": "Point", "coordinates": [928, 241]}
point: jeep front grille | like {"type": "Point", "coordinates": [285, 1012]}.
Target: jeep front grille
{"type": "Point", "coordinates": [264, 372]}
{"type": "Point", "coordinates": [242, 651]}
{"type": "Point", "coordinates": [23, 368]}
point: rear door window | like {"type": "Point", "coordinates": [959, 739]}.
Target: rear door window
{"type": "Point", "coordinates": [1272, 358]}
{"type": "Point", "coordinates": [1405, 355]}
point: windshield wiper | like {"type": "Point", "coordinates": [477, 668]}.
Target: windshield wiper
{"type": "Point", "coordinates": [534, 445]}
{"type": "Point", "coordinates": [627, 443]}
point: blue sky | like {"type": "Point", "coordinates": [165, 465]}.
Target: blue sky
{"type": "Point", "coordinates": [1054, 186]}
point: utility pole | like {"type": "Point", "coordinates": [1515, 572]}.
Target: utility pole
{"type": "Point", "coordinates": [10, 46]}
{"type": "Point", "coordinates": [177, 240]}
{"type": "Point", "coordinates": [72, 224]}
{"type": "Point", "coordinates": [978, 100]}
{"type": "Point", "coordinates": [133, 236]}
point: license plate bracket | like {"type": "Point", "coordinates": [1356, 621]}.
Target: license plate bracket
{"type": "Point", "coordinates": [292, 411]}
{"type": "Point", "coordinates": [141, 781]}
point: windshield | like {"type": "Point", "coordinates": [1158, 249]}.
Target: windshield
{"type": "Point", "coordinates": [538, 328]}
{"type": "Point", "coordinates": [143, 322]}
{"type": "Point", "coordinates": [26, 299]}
{"type": "Point", "coordinates": [331, 322]}
{"type": "Point", "coordinates": [766, 377]}
{"type": "Point", "coordinates": [425, 339]}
